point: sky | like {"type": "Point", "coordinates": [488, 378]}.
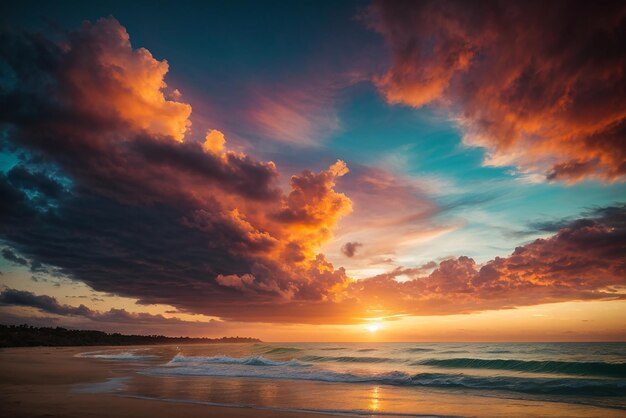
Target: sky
{"type": "Point", "coordinates": [306, 171]}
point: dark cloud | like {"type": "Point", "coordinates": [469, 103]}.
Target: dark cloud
{"type": "Point", "coordinates": [12, 257]}
{"type": "Point", "coordinates": [20, 177]}
{"type": "Point", "coordinates": [113, 320]}
{"type": "Point", "coordinates": [540, 85]}
{"type": "Point", "coordinates": [43, 302]}
{"type": "Point", "coordinates": [48, 304]}
{"type": "Point", "coordinates": [610, 214]}
{"type": "Point", "coordinates": [349, 248]}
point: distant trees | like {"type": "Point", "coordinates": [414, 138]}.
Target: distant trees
{"type": "Point", "coordinates": [29, 336]}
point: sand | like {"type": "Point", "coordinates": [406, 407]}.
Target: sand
{"type": "Point", "coordinates": [38, 382]}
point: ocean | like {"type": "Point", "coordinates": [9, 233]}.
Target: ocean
{"type": "Point", "coordinates": [379, 379]}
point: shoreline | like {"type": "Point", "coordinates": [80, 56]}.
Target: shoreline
{"type": "Point", "coordinates": [39, 381]}
{"type": "Point", "coordinates": [58, 382]}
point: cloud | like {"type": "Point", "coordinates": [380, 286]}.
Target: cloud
{"type": "Point", "coordinates": [392, 213]}
{"type": "Point", "coordinates": [14, 258]}
{"type": "Point", "coordinates": [34, 182]}
{"type": "Point", "coordinates": [102, 74]}
{"type": "Point", "coordinates": [540, 86]}
{"type": "Point", "coordinates": [43, 302]}
{"type": "Point", "coordinates": [139, 209]}
{"type": "Point", "coordinates": [313, 207]}
{"type": "Point", "coordinates": [214, 142]}
{"type": "Point", "coordinates": [349, 248]}
{"type": "Point", "coordinates": [145, 211]}
{"type": "Point", "coordinates": [296, 115]}
{"type": "Point", "coordinates": [582, 261]}
{"type": "Point", "coordinates": [113, 320]}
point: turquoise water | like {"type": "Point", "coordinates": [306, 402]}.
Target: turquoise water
{"type": "Point", "coordinates": [591, 374]}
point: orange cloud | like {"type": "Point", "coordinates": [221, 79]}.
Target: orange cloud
{"type": "Point", "coordinates": [214, 142]}
{"type": "Point", "coordinates": [109, 79]}
{"type": "Point", "coordinates": [312, 208]}
{"type": "Point", "coordinates": [517, 78]}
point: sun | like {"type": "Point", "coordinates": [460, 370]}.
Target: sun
{"type": "Point", "coordinates": [373, 327]}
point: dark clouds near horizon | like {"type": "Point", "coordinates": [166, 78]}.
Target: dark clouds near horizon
{"type": "Point", "coordinates": [112, 320]}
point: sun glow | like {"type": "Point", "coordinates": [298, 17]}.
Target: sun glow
{"type": "Point", "coordinates": [373, 327]}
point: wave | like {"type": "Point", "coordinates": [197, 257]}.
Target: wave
{"type": "Point", "coordinates": [545, 386]}
{"type": "Point", "coordinates": [532, 366]}
{"type": "Point", "coordinates": [366, 350]}
{"type": "Point", "coordinates": [418, 349]}
{"type": "Point", "coordinates": [126, 355]}
{"type": "Point", "coordinates": [181, 360]}
{"type": "Point", "coordinates": [283, 350]}
{"type": "Point", "coordinates": [348, 359]}
{"type": "Point", "coordinates": [332, 348]}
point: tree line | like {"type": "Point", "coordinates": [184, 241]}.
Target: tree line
{"type": "Point", "coordinates": [29, 336]}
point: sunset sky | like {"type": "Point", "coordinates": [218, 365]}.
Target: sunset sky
{"type": "Point", "coordinates": [315, 171]}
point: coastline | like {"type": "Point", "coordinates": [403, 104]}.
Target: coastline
{"type": "Point", "coordinates": [55, 382]}
{"type": "Point", "coordinates": [38, 382]}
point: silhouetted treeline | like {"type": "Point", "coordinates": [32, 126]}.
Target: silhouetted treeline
{"type": "Point", "coordinates": [28, 336]}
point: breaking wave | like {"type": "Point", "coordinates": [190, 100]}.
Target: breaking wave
{"type": "Point", "coordinates": [532, 366]}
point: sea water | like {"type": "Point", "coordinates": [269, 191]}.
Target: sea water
{"type": "Point", "coordinates": [452, 379]}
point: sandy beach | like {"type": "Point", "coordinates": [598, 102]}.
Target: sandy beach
{"type": "Point", "coordinates": [38, 382]}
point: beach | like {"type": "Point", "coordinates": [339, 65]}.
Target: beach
{"type": "Point", "coordinates": [39, 382]}
{"type": "Point", "coordinates": [166, 381]}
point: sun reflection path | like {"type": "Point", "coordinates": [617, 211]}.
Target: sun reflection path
{"type": "Point", "coordinates": [374, 399]}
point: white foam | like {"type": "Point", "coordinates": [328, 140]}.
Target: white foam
{"type": "Point", "coordinates": [120, 356]}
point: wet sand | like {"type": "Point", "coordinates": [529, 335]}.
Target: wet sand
{"type": "Point", "coordinates": [39, 382]}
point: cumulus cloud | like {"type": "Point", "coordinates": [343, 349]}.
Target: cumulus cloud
{"type": "Point", "coordinates": [102, 74]}
{"type": "Point", "coordinates": [214, 142]}
{"type": "Point", "coordinates": [313, 207]}
{"type": "Point", "coordinates": [539, 85]}
{"type": "Point", "coordinates": [144, 210]}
